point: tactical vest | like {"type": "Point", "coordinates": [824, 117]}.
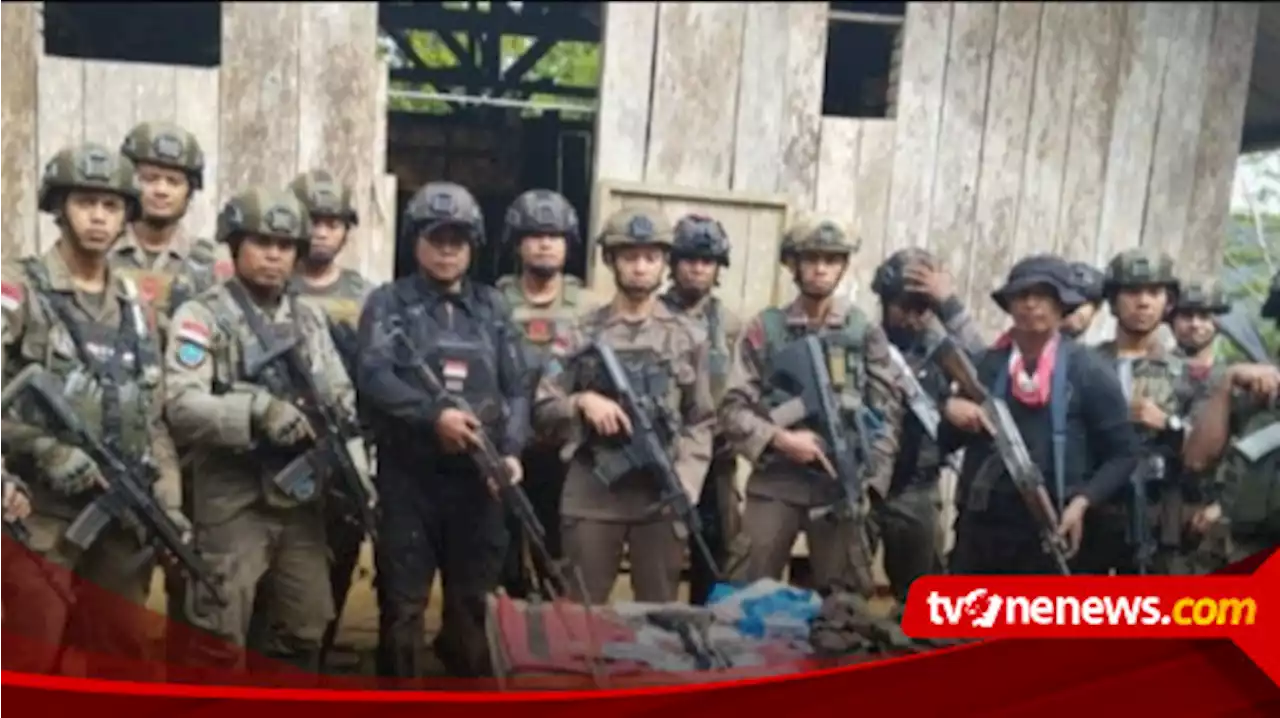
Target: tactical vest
{"type": "Point", "coordinates": [108, 373]}
{"type": "Point", "coordinates": [846, 357]}
{"type": "Point", "coordinates": [1251, 492]}
{"type": "Point", "coordinates": [463, 355]}
{"type": "Point", "coordinates": [158, 291]}
{"type": "Point", "coordinates": [718, 352]}
{"type": "Point", "coordinates": [546, 329]}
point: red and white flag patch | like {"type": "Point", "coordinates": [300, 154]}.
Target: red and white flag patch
{"type": "Point", "coordinates": [454, 369]}
{"type": "Point", "coordinates": [223, 269]}
{"type": "Point", "coordinates": [194, 332]}
{"type": "Point", "coordinates": [10, 295]}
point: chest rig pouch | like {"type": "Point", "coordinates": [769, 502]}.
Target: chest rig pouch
{"type": "Point", "coordinates": [108, 373]}
{"type": "Point", "coordinates": [546, 329]}
{"type": "Point", "coordinates": [1251, 477]}
{"type": "Point", "coordinates": [845, 350]}
{"type": "Point", "coordinates": [652, 380]}
{"type": "Point", "coordinates": [463, 356]}
{"type": "Point", "coordinates": [264, 362]}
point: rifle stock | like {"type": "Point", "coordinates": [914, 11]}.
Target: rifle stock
{"type": "Point", "coordinates": [1009, 444]}
{"type": "Point", "coordinates": [920, 402]}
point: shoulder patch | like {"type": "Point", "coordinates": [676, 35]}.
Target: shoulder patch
{"type": "Point", "coordinates": [190, 354]}
{"type": "Point", "coordinates": [193, 332]}
{"type": "Point", "coordinates": [223, 269]}
{"type": "Point", "coordinates": [11, 294]}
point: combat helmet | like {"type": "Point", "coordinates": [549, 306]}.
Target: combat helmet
{"type": "Point", "coordinates": [442, 204]}
{"type": "Point", "coordinates": [541, 212]}
{"type": "Point", "coordinates": [1202, 297]}
{"type": "Point", "coordinates": [1271, 309]}
{"type": "Point", "coordinates": [324, 196]}
{"type": "Point", "coordinates": [88, 166]}
{"type": "Point", "coordinates": [266, 213]}
{"type": "Point", "coordinates": [166, 145]}
{"type": "Point", "coordinates": [633, 227]}
{"type": "Point", "coordinates": [817, 234]}
{"type": "Point", "coordinates": [1139, 268]}
{"type": "Point", "coordinates": [698, 236]}
{"type": "Point", "coordinates": [890, 280]}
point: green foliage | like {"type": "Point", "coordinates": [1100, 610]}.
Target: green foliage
{"type": "Point", "coordinates": [573, 64]}
{"type": "Point", "coordinates": [1252, 253]}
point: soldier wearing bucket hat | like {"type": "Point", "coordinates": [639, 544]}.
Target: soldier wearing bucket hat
{"type": "Point", "coordinates": [1067, 405]}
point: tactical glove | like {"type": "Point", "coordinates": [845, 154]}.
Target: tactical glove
{"type": "Point", "coordinates": [279, 422]}
{"type": "Point", "coordinates": [67, 469]}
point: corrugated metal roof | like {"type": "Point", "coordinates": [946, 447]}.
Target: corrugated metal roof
{"type": "Point", "coordinates": [1262, 113]}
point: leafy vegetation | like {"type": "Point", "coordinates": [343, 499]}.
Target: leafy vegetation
{"type": "Point", "coordinates": [1252, 253]}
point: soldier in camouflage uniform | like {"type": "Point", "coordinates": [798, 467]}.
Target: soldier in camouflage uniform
{"type": "Point", "coordinates": [541, 227]}
{"type": "Point", "coordinates": [168, 265]}
{"type": "Point", "coordinates": [70, 312]}
{"type": "Point", "coordinates": [915, 296]}
{"type": "Point", "coordinates": [1142, 290]}
{"type": "Point", "coordinates": [252, 531]}
{"type": "Point", "coordinates": [1245, 503]}
{"type": "Point", "coordinates": [788, 493]}
{"type": "Point", "coordinates": [666, 360]}
{"type": "Point", "coordinates": [340, 293]}
{"type": "Point", "coordinates": [1195, 330]}
{"type": "Point", "coordinates": [699, 249]}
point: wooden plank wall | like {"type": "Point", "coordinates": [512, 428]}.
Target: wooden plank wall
{"type": "Point", "coordinates": [19, 55]}
{"type": "Point", "coordinates": [295, 91]}
{"type": "Point", "coordinates": [1077, 128]}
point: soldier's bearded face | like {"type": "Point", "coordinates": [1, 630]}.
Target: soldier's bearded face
{"type": "Point", "coordinates": [96, 219]}
{"type": "Point", "coordinates": [639, 269]}
{"type": "Point", "coordinates": [165, 192]}
{"type": "Point", "coordinates": [1194, 330]}
{"type": "Point", "coordinates": [543, 254]}
{"type": "Point", "coordinates": [696, 275]}
{"type": "Point", "coordinates": [327, 236]}
{"type": "Point", "coordinates": [1139, 310]}
{"type": "Point", "coordinates": [445, 253]}
{"type": "Point", "coordinates": [266, 262]}
{"type": "Point", "coordinates": [819, 273]}
{"type": "Point", "coordinates": [1036, 310]}
{"type": "Point", "coordinates": [1079, 321]}
{"type": "Point", "coordinates": [906, 315]}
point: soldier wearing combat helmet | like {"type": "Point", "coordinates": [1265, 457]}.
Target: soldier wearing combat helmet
{"type": "Point", "coordinates": [243, 423]}
{"type": "Point", "coordinates": [168, 264]}
{"type": "Point", "coordinates": [1142, 291]}
{"type": "Point", "coordinates": [541, 228]}
{"type": "Point", "coordinates": [699, 252]}
{"type": "Point", "coordinates": [792, 488]}
{"type": "Point", "coordinates": [71, 313]}
{"type": "Point", "coordinates": [1238, 423]}
{"type": "Point", "coordinates": [608, 503]}
{"type": "Point", "coordinates": [1195, 328]}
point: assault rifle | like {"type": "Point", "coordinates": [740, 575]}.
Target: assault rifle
{"type": "Point", "coordinates": [920, 402]}
{"type": "Point", "coordinates": [799, 370]}
{"type": "Point", "coordinates": [128, 495]}
{"type": "Point", "coordinates": [1262, 442]}
{"type": "Point", "coordinates": [339, 435]}
{"type": "Point", "coordinates": [558, 574]}
{"type": "Point", "coordinates": [644, 449]}
{"type": "Point", "coordinates": [1009, 444]}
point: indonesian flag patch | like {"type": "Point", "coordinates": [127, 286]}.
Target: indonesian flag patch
{"type": "Point", "coordinates": [10, 296]}
{"type": "Point", "coordinates": [455, 374]}
{"type": "Point", "coordinates": [194, 332]}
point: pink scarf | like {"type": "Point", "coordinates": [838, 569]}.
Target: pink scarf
{"type": "Point", "coordinates": [1030, 389]}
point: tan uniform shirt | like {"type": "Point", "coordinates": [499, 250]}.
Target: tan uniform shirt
{"type": "Point", "coordinates": [209, 399]}
{"type": "Point", "coordinates": [633, 499]}
{"type": "Point", "coordinates": [342, 300]}
{"type": "Point", "coordinates": [746, 424]}
{"type": "Point", "coordinates": [186, 266]}
{"type": "Point", "coordinates": [33, 334]}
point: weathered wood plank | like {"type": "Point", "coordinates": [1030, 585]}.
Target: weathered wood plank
{"type": "Point", "coordinates": [337, 103]}
{"type": "Point", "coordinates": [1097, 68]}
{"type": "Point", "coordinates": [108, 101]}
{"type": "Point", "coordinates": [1003, 156]}
{"type": "Point", "coordinates": [875, 177]}
{"type": "Point", "coordinates": [259, 95]}
{"type": "Point", "coordinates": [806, 55]}
{"type": "Point", "coordinates": [1142, 62]}
{"type": "Point", "coordinates": [626, 78]}
{"type": "Point", "coordinates": [20, 59]}
{"type": "Point", "coordinates": [695, 90]}
{"type": "Point", "coordinates": [155, 97]}
{"type": "Point", "coordinates": [758, 135]}
{"type": "Point", "coordinates": [380, 235]}
{"type": "Point", "coordinates": [1229, 65]}
{"type": "Point", "coordinates": [197, 110]}
{"type": "Point", "coordinates": [1046, 158]}
{"type": "Point", "coordinates": [960, 134]}
{"type": "Point", "coordinates": [836, 193]}
{"type": "Point", "coordinates": [60, 110]}
{"type": "Point", "coordinates": [919, 115]}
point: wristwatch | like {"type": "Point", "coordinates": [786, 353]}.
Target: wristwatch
{"type": "Point", "coordinates": [1174, 424]}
